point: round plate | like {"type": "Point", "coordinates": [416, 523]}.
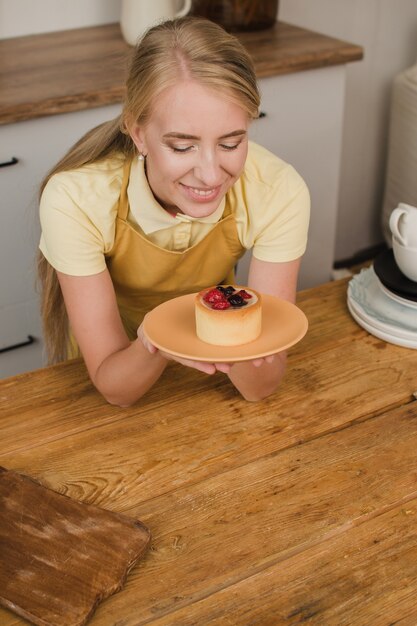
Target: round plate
{"type": "Point", "coordinates": [398, 341]}
{"type": "Point", "coordinates": [391, 276]}
{"type": "Point", "coordinates": [377, 324]}
{"type": "Point", "coordinates": [171, 328]}
{"type": "Point", "coordinates": [394, 296]}
{"type": "Point", "coordinates": [368, 299]}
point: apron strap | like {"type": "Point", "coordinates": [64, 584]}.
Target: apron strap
{"type": "Point", "coordinates": [123, 208]}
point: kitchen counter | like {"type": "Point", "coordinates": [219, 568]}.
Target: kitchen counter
{"type": "Point", "coordinates": [297, 509]}
{"type": "Point", "coordinates": [84, 68]}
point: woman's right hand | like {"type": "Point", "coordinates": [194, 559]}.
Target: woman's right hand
{"type": "Point", "coordinates": [202, 366]}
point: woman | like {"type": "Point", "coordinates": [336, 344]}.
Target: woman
{"type": "Point", "coordinates": [163, 202]}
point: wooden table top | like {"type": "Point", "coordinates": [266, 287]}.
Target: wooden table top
{"type": "Point", "coordinates": [86, 67]}
{"type": "Point", "coordinates": [298, 509]}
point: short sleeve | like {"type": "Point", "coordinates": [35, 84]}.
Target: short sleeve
{"type": "Point", "coordinates": [282, 229]}
{"type": "Point", "coordinates": [77, 215]}
{"type": "Point", "coordinates": [272, 207]}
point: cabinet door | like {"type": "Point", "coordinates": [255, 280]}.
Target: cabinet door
{"type": "Point", "coordinates": [36, 145]}
{"type": "Point", "coordinates": [303, 125]}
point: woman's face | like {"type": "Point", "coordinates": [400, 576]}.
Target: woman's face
{"type": "Point", "coordinates": [195, 145]}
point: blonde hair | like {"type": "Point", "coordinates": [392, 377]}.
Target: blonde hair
{"type": "Point", "coordinates": [189, 47]}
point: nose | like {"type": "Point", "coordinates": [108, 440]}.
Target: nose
{"type": "Point", "coordinates": [208, 169]}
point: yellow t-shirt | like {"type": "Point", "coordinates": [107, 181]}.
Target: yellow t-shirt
{"type": "Point", "coordinates": [78, 210]}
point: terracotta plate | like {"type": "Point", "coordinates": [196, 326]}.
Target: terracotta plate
{"type": "Point", "coordinates": [171, 328]}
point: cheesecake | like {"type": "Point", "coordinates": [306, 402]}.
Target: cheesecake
{"type": "Point", "coordinates": [228, 315]}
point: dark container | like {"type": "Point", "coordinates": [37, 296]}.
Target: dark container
{"type": "Point", "coordinates": [238, 15]}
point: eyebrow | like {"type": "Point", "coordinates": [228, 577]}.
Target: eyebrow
{"type": "Point", "coordinates": [175, 135]}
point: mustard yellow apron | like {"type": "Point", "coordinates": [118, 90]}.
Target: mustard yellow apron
{"type": "Point", "coordinates": [145, 275]}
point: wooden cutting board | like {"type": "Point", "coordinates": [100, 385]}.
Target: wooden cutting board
{"type": "Point", "coordinates": [60, 558]}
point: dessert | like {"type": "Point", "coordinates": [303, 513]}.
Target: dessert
{"type": "Point", "coordinates": [227, 315]}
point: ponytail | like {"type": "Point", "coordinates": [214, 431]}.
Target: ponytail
{"type": "Point", "coordinates": [106, 139]}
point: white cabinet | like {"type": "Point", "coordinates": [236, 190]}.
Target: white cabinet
{"type": "Point", "coordinates": [303, 125]}
{"type": "Point", "coordinates": [37, 145]}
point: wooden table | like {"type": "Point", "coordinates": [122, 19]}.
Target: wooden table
{"type": "Point", "coordinates": [298, 509]}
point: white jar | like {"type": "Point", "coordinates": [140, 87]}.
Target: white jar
{"type": "Point", "coordinates": [139, 15]}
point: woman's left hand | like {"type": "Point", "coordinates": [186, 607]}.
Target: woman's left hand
{"type": "Point", "coordinates": [258, 378]}
{"type": "Point", "coordinates": [260, 362]}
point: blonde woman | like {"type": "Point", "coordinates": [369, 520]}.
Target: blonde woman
{"type": "Point", "coordinates": [163, 202]}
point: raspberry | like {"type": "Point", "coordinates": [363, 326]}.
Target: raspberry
{"type": "Point", "coordinates": [220, 305]}
{"type": "Point", "coordinates": [214, 295]}
{"type": "Point", "coordinates": [244, 294]}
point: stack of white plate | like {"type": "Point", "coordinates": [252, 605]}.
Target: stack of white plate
{"type": "Point", "coordinates": [381, 311]}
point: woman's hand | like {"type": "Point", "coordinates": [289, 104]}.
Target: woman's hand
{"type": "Point", "coordinates": [202, 366]}
{"type": "Point", "coordinates": [260, 362]}
{"type": "Point", "coordinates": [260, 378]}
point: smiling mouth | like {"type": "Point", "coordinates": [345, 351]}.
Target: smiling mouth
{"type": "Point", "coordinates": [202, 194]}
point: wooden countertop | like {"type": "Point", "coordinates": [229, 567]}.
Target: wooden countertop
{"type": "Point", "coordinates": [85, 68]}
{"type": "Point", "coordinates": [298, 509]}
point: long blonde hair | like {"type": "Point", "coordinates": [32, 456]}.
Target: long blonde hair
{"type": "Point", "coordinates": [189, 47]}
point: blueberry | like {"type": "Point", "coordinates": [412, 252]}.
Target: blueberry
{"type": "Point", "coordinates": [226, 290]}
{"type": "Point", "coordinates": [237, 301]}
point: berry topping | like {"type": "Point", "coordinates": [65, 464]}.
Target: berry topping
{"type": "Point", "coordinates": [236, 300]}
{"type": "Point", "coordinates": [244, 294]}
{"type": "Point", "coordinates": [223, 297]}
{"type": "Point", "coordinates": [221, 304]}
{"type": "Point", "coordinates": [226, 290]}
{"type": "Point", "coordinates": [214, 295]}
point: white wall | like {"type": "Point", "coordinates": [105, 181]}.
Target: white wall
{"type": "Point", "coordinates": [30, 17]}
{"type": "Point", "coordinates": [387, 29]}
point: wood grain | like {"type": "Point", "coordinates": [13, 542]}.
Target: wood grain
{"type": "Point", "coordinates": [166, 441]}
{"type": "Point", "coordinates": [228, 528]}
{"type": "Point", "coordinates": [85, 68]}
{"type": "Point", "coordinates": [252, 506]}
{"type": "Point", "coordinates": [366, 575]}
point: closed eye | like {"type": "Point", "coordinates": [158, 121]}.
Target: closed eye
{"type": "Point", "coordinates": [230, 147]}
{"type": "Point", "coordinates": [182, 149]}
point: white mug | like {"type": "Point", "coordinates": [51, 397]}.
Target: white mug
{"type": "Point", "coordinates": [403, 225]}
{"type": "Point", "coordinates": [139, 15]}
{"type": "Point", "coordinates": [406, 259]}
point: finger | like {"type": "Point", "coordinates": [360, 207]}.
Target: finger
{"type": "Point", "coordinates": [223, 367]}
{"type": "Point", "coordinates": [258, 362]}
{"type": "Point", "coordinates": [270, 358]}
{"type": "Point", "coordinates": [201, 366]}
{"type": "Point", "coordinates": [148, 345]}
{"type": "Point", "coordinates": [143, 338]}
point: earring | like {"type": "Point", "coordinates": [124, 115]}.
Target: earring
{"type": "Point", "coordinates": [141, 157]}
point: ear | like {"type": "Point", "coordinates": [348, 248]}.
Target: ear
{"type": "Point", "coordinates": [138, 136]}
